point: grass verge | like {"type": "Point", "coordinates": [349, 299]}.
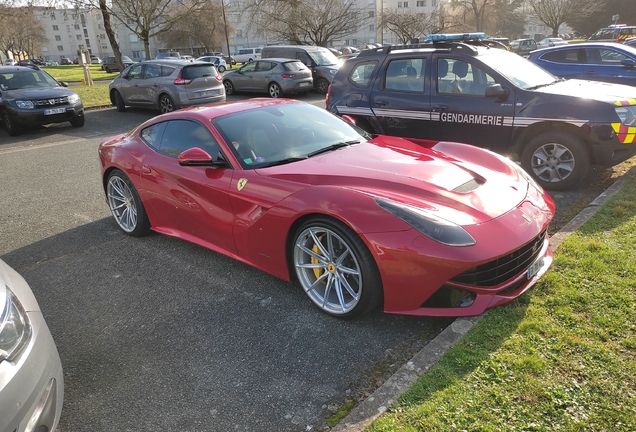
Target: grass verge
{"type": "Point", "coordinates": [93, 96]}
{"type": "Point", "coordinates": [76, 73]}
{"type": "Point", "coordinates": [561, 357]}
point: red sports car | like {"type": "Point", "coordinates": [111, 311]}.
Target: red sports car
{"type": "Point", "coordinates": [421, 227]}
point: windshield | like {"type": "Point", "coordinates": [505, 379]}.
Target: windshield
{"type": "Point", "coordinates": [26, 79]}
{"type": "Point", "coordinates": [518, 70]}
{"type": "Point", "coordinates": [324, 58]}
{"type": "Point", "coordinates": [277, 134]}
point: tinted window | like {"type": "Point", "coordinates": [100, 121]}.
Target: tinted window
{"type": "Point", "coordinates": [562, 56]}
{"type": "Point", "coordinates": [294, 66]}
{"type": "Point", "coordinates": [198, 71]}
{"type": "Point", "coordinates": [181, 135]}
{"type": "Point", "coordinates": [264, 66]}
{"type": "Point", "coordinates": [166, 70]}
{"type": "Point", "coordinates": [361, 74]}
{"type": "Point", "coordinates": [248, 67]}
{"type": "Point", "coordinates": [405, 75]}
{"type": "Point", "coordinates": [152, 134]}
{"type": "Point", "coordinates": [135, 71]}
{"type": "Point", "coordinates": [152, 71]}
{"type": "Point", "coordinates": [26, 79]}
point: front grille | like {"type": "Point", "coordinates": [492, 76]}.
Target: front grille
{"type": "Point", "coordinates": [51, 102]}
{"type": "Point", "coordinates": [504, 268]}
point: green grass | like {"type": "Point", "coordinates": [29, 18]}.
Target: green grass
{"type": "Point", "coordinates": [76, 73]}
{"type": "Point", "coordinates": [559, 358]}
{"type": "Point", "coordinates": [93, 96]}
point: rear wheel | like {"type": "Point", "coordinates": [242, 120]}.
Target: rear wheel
{"type": "Point", "coordinates": [336, 269]}
{"type": "Point", "coordinates": [125, 205]}
{"type": "Point", "coordinates": [165, 104]}
{"type": "Point", "coordinates": [557, 160]}
{"type": "Point", "coordinates": [107, 69]}
{"type": "Point", "coordinates": [274, 90]}
{"type": "Point", "coordinates": [13, 128]}
{"type": "Point", "coordinates": [229, 87]}
{"type": "Point", "coordinates": [221, 68]}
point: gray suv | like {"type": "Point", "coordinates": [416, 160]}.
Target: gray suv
{"type": "Point", "coordinates": [322, 62]}
{"type": "Point", "coordinates": [109, 64]}
{"type": "Point", "coordinates": [167, 85]}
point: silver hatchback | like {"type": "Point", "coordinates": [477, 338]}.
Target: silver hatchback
{"type": "Point", "coordinates": [275, 76]}
{"type": "Point", "coordinates": [167, 85]}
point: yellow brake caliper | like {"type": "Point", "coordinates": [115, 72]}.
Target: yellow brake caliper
{"type": "Point", "coordinates": [317, 271]}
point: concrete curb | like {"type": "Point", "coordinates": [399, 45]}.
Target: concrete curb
{"type": "Point", "coordinates": [368, 410]}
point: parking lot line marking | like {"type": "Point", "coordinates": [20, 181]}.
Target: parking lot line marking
{"type": "Point", "coordinates": [39, 146]}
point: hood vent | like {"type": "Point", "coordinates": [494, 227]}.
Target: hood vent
{"type": "Point", "coordinates": [469, 186]}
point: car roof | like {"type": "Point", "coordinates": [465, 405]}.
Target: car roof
{"type": "Point", "coordinates": [17, 68]}
{"type": "Point", "coordinates": [279, 59]}
{"type": "Point", "coordinates": [170, 62]}
{"type": "Point", "coordinates": [306, 47]}
{"type": "Point", "coordinates": [583, 45]}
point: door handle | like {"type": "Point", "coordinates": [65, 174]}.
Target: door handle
{"type": "Point", "coordinates": [145, 169]}
{"type": "Point", "coordinates": [438, 108]}
{"type": "Point", "coordinates": [155, 85]}
{"type": "Point", "coordinates": [381, 103]}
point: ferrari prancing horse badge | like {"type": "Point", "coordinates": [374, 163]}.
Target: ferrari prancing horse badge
{"type": "Point", "coordinates": [241, 183]}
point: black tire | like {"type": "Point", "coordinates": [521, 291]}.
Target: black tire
{"type": "Point", "coordinates": [322, 85]}
{"type": "Point", "coordinates": [274, 90]}
{"type": "Point", "coordinates": [107, 69]}
{"type": "Point", "coordinates": [125, 205]}
{"type": "Point", "coordinates": [229, 87]}
{"type": "Point", "coordinates": [166, 104]}
{"type": "Point", "coordinates": [119, 102]}
{"type": "Point", "coordinates": [221, 68]}
{"type": "Point", "coordinates": [250, 60]}
{"type": "Point", "coordinates": [78, 121]}
{"type": "Point", "coordinates": [13, 129]}
{"type": "Point", "coordinates": [557, 160]}
{"type": "Point", "coordinates": [361, 278]}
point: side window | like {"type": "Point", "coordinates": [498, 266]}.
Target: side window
{"type": "Point", "coordinates": [166, 70]}
{"type": "Point", "coordinates": [461, 77]}
{"type": "Point", "coordinates": [152, 134]}
{"type": "Point", "coordinates": [135, 71]}
{"type": "Point", "coordinates": [152, 71]}
{"type": "Point", "coordinates": [181, 135]}
{"type": "Point", "coordinates": [604, 56]}
{"type": "Point", "coordinates": [264, 66]}
{"type": "Point", "coordinates": [562, 56]}
{"type": "Point", "coordinates": [248, 67]}
{"type": "Point", "coordinates": [361, 74]}
{"type": "Point", "coordinates": [304, 57]}
{"type": "Point", "coordinates": [405, 75]}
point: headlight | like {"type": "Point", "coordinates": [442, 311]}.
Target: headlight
{"type": "Point", "coordinates": [430, 225]}
{"type": "Point", "coordinates": [73, 99]}
{"type": "Point", "coordinates": [627, 115]}
{"type": "Point", "coordinates": [15, 328]}
{"type": "Point", "coordinates": [24, 104]}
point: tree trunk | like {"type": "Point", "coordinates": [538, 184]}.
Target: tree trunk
{"type": "Point", "coordinates": [111, 34]}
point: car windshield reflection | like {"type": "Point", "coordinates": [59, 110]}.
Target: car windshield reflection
{"type": "Point", "coordinates": [26, 79]}
{"type": "Point", "coordinates": [284, 133]}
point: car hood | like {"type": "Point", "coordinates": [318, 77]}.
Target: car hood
{"type": "Point", "coordinates": [40, 93]}
{"type": "Point", "coordinates": [415, 175]}
{"type": "Point", "coordinates": [600, 91]}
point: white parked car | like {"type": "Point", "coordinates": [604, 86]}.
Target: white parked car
{"type": "Point", "coordinates": [31, 379]}
{"type": "Point", "coordinates": [10, 62]}
{"type": "Point", "coordinates": [550, 42]}
{"type": "Point", "coordinates": [96, 60]}
{"type": "Point", "coordinates": [246, 55]}
{"type": "Point", "coordinates": [220, 64]}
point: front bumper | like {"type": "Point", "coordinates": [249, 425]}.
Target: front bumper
{"type": "Point", "coordinates": [612, 144]}
{"type": "Point", "coordinates": [32, 117]}
{"type": "Point", "coordinates": [32, 389]}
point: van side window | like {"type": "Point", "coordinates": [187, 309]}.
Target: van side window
{"type": "Point", "coordinates": [304, 57]}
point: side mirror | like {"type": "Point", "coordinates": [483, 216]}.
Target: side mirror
{"type": "Point", "coordinates": [195, 157]}
{"type": "Point", "coordinates": [63, 83]}
{"type": "Point", "coordinates": [497, 92]}
{"type": "Point", "coordinates": [628, 63]}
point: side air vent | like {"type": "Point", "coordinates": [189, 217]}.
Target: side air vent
{"type": "Point", "coordinates": [469, 186]}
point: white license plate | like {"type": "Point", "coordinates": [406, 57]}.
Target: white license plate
{"type": "Point", "coordinates": [303, 84]}
{"type": "Point", "coordinates": [535, 267]}
{"type": "Point", "coordinates": [207, 93]}
{"type": "Point", "coordinates": [54, 111]}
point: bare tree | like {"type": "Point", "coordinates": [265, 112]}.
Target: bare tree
{"type": "Point", "coordinates": [313, 22]}
{"type": "Point", "coordinates": [408, 26]}
{"type": "Point", "coordinates": [20, 32]}
{"type": "Point", "coordinates": [205, 29]}
{"type": "Point", "coordinates": [474, 12]}
{"type": "Point", "coordinates": [553, 13]}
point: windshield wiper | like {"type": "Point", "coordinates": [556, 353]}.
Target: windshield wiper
{"type": "Point", "coordinates": [335, 146]}
{"type": "Point", "coordinates": [283, 161]}
{"type": "Point", "coordinates": [545, 85]}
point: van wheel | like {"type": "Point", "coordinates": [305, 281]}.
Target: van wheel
{"type": "Point", "coordinates": [557, 160]}
{"type": "Point", "coordinates": [322, 85]}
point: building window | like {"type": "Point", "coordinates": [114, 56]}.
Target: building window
{"type": "Point", "coordinates": [133, 38]}
{"type": "Point", "coordinates": [58, 38]}
{"type": "Point", "coordinates": [136, 54]}
{"type": "Point", "coordinates": [85, 33]}
{"type": "Point", "coordinates": [100, 26]}
{"type": "Point", "coordinates": [76, 26]}
{"type": "Point", "coordinates": [79, 37]}
{"type": "Point", "coordinates": [52, 15]}
{"type": "Point", "coordinates": [88, 43]}
{"type": "Point", "coordinates": [421, 3]}
{"type": "Point", "coordinates": [239, 34]}
{"type": "Point", "coordinates": [371, 27]}
{"type": "Point", "coordinates": [433, 3]}
{"type": "Point", "coordinates": [104, 46]}
{"type": "Point", "coordinates": [55, 28]}
{"type": "Point", "coordinates": [60, 48]}
{"type": "Point", "coordinates": [371, 14]}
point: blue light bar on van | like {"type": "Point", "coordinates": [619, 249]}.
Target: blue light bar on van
{"type": "Point", "coordinates": [454, 36]}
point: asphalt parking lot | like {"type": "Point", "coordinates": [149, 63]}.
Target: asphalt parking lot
{"type": "Point", "coordinates": [157, 333]}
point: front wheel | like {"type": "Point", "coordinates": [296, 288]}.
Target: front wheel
{"type": "Point", "coordinates": [274, 90]}
{"type": "Point", "coordinates": [557, 160]}
{"type": "Point", "coordinates": [125, 205]}
{"type": "Point", "coordinates": [165, 104]}
{"type": "Point", "coordinates": [322, 86]}
{"type": "Point", "coordinates": [336, 269]}
{"type": "Point", "coordinates": [78, 121]}
{"type": "Point", "coordinates": [12, 127]}
{"type": "Point", "coordinates": [119, 102]}
{"type": "Point", "coordinates": [229, 87]}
